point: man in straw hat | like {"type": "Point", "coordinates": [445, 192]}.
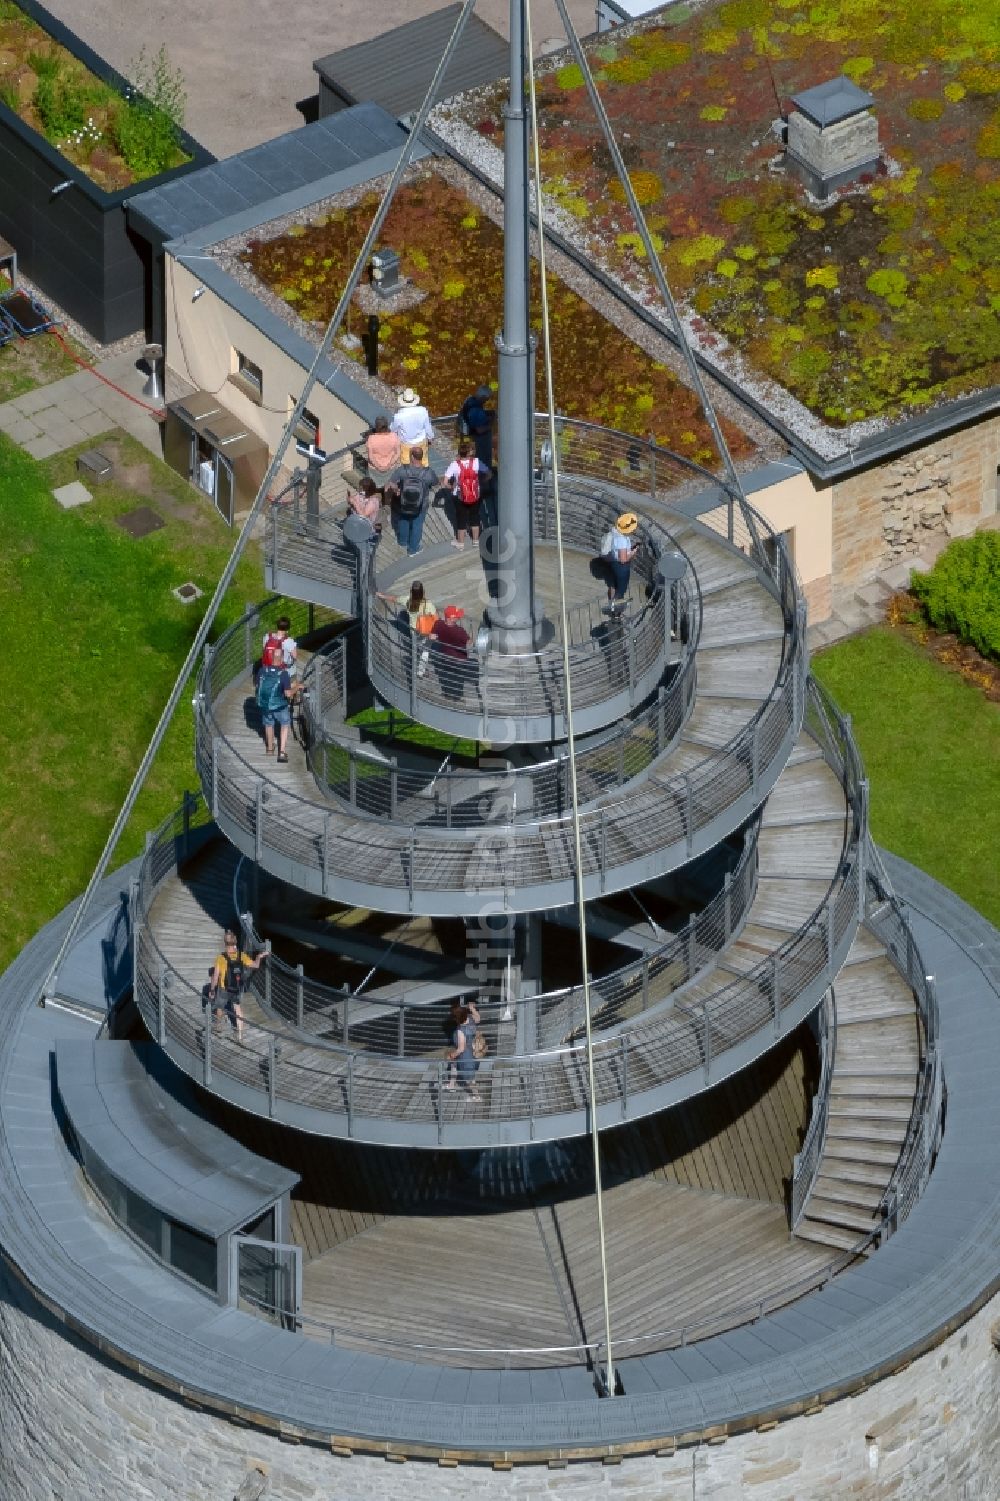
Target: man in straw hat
{"type": "Point", "coordinates": [618, 550]}
{"type": "Point", "coordinates": [412, 425]}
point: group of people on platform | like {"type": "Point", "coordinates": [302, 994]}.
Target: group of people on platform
{"type": "Point", "coordinates": [400, 475]}
{"type": "Point", "coordinates": [229, 981]}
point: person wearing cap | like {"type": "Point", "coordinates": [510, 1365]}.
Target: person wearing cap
{"type": "Point", "coordinates": [476, 422]}
{"type": "Point", "coordinates": [451, 650]}
{"type": "Point", "coordinates": [412, 426]}
{"type": "Point", "coordinates": [618, 551]}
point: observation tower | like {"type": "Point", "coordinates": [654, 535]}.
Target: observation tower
{"type": "Point", "coordinates": [637, 843]}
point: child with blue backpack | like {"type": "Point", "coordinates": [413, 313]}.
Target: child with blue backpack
{"type": "Point", "coordinates": [274, 695]}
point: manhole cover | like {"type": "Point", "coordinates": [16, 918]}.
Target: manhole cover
{"type": "Point", "coordinates": [186, 593]}
{"type": "Point", "coordinates": [141, 522]}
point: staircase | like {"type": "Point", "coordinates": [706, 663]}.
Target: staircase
{"type": "Point", "coordinates": [872, 1089]}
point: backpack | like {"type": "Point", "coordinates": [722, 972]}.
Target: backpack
{"type": "Point", "coordinates": [273, 643]}
{"type": "Point", "coordinates": [411, 497]}
{"type": "Point", "coordinates": [608, 543]}
{"type": "Point", "coordinates": [270, 694]}
{"type": "Point", "coordinates": [468, 481]}
{"type": "Point", "coordinates": [235, 976]}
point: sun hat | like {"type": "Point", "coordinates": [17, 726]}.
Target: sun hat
{"type": "Point", "coordinates": [409, 398]}
{"type": "Point", "coordinates": [627, 523]}
{"type": "Point", "coordinates": [452, 612]}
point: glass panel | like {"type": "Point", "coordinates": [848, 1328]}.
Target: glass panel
{"type": "Point", "coordinates": [267, 1280]}
{"type": "Point", "coordinates": [193, 1255]}
{"type": "Point", "coordinates": [224, 488]}
{"type": "Point", "coordinates": [109, 1188]}
{"type": "Point", "coordinates": [145, 1222]}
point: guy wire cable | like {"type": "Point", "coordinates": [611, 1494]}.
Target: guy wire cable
{"type": "Point", "coordinates": [201, 636]}
{"type": "Point", "coordinates": [595, 1135]}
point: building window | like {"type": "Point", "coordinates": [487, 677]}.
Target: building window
{"type": "Point", "coordinates": [307, 427]}
{"type": "Point", "coordinates": [248, 376]}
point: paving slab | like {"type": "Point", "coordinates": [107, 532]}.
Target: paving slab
{"type": "Point", "coordinates": [40, 448]}
{"type": "Point", "coordinates": [37, 400]}
{"type": "Point", "coordinates": [98, 422]}
{"type": "Point", "coordinates": [76, 404]}
{"type": "Point", "coordinates": [19, 428]}
{"type": "Point", "coordinates": [71, 495]}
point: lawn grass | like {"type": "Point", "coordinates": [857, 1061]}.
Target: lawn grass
{"type": "Point", "coordinates": [931, 745]}
{"type": "Point", "coordinates": [390, 724]}
{"type": "Point", "coordinates": [99, 640]}
{"type": "Point", "coordinates": [38, 361]}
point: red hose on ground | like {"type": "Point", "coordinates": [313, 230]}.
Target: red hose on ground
{"type": "Point", "coordinates": [85, 365]}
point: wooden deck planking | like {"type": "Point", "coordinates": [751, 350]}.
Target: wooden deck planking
{"type": "Point", "coordinates": [530, 1278]}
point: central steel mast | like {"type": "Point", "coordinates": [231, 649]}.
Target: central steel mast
{"type": "Point", "coordinates": [512, 610]}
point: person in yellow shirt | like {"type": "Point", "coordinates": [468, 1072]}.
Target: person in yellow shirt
{"type": "Point", "coordinates": [229, 980]}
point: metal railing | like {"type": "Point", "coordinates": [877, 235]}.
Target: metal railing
{"type": "Point", "coordinates": [614, 661]}
{"type": "Point", "coordinates": [589, 1353]}
{"type": "Point", "coordinates": [663, 1046]}
{"type": "Point", "coordinates": [807, 1160]}
{"type": "Point", "coordinates": [630, 837]}
{"type": "Point", "coordinates": [925, 1126]}
{"type": "Point", "coordinates": [395, 1027]}
{"type": "Point", "coordinates": [886, 920]}
{"type": "Point", "coordinates": [378, 784]}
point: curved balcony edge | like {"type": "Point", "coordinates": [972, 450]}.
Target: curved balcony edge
{"type": "Point", "coordinates": [245, 821]}
{"type": "Point", "coordinates": [451, 1124]}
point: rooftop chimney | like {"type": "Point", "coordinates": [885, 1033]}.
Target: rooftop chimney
{"type": "Point", "coordinates": [832, 138]}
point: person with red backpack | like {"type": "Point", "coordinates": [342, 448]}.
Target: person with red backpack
{"type": "Point", "coordinates": [466, 475]}
{"type": "Point", "coordinates": [274, 695]}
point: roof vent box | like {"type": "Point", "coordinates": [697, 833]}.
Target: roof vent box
{"type": "Point", "coordinates": [832, 136]}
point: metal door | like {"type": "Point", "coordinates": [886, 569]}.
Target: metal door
{"type": "Point", "coordinates": [266, 1276]}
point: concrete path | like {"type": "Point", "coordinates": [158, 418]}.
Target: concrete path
{"type": "Point", "coordinates": [246, 64]}
{"type": "Point", "coordinates": [81, 406]}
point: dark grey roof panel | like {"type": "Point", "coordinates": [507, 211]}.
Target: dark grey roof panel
{"type": "Point", "coordinates": [395, 69]}
{"type": "Point", "coordinates": [151, 1138]}
{"type": "Point", "coordinates": [310, 154]}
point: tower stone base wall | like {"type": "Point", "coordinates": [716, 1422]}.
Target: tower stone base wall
{"type": "Point", "coordinates": [73, 1424]}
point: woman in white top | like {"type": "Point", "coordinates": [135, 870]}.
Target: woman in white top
{"type": "Point", "coordinates": [412, 425]}
{"type": "Point", "coordinates": [466, 476]}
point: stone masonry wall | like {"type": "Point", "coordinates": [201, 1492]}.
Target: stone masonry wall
{"type": "Point", "coordinates": [72, 1425]}
{"type": "Point", "coordinates": [901, 509]}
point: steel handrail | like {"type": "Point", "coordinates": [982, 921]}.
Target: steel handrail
{"type": "Point", "coordinates": [925, 1125]}
{"type": "Point", "coordinates": [694, 797]}
{"type": "Point", "coordinates": [691, 1040]}
{"type": "Point", "coordinates": [607, 657]}
{"type": "Point", "coordinates": [589, 1351]}
{"type": "Point", "coordinates": [374, 784]}
{"type": "Point", "coordinates": [557, 1014]}
{"type": "Point", "coordinates": [807, 1160]}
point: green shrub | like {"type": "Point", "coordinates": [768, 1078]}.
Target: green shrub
{"type": "Point", "coordinates": [147, 126]}
{"type": "Point", "coordinates": [61, 102]}
{"type": "Point", "coordinates": [961, 593]}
